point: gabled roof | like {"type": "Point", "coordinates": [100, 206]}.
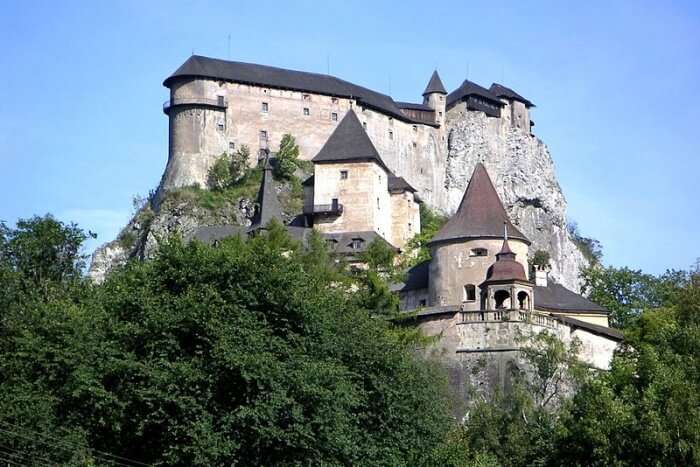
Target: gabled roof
{"type": "Point", "coordinates": [604, 331]}
{"type": "Point", "coordinates": [557, 298]}
{"type": "Point", "coordinates": [434, 85]}
{"type": "Point", "coordinates": [468, 88]}
{"type": "Point", "coordinates": [344, 241]}
{"type": "Point", "coordinates": [267, 206]}
{"type": "Point", "coordinates": [349, 142]}
{"type": "Point", "coordinates": [502, 91]}
{"type": "Point", "coordinates": [480, 214]}
{"type": "Point", "coordinates": [399, 184]}
{"type": "Point", "coordinates": [280, 78]}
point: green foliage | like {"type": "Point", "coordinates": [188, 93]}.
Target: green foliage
{"type": "Point", "coordinates": [379, 255]}
{"type": "Point", "coordinates": [590, 247]}
{"type": "Point", "coordinates": [127, 239]}
{"type": "Point", "coordinates": [646, 410]}
{"type": "Point", "coordinates": [416, 249]}
{"type": "Point", "coordinates": [287, 158]}
{"type": "Point", "coordinates": [541, 259]}
{"type": "Point", "coordinates": [225, 355]}
{"type": "Point", "coordinates": [228, 169]}
{"type": "Point", "coordinates": [626, 292]}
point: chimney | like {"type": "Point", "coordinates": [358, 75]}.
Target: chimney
{"type": "Point", "coordinates": [541, 277]}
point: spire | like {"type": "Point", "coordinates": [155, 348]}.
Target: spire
{"type": "Point", "coordinates": [349, 142]}
{"type": "Point", "coordinates": [435, 85]}
{"type": "Point", "coordinates": [267, 206]}
{"type": "Point", "coordinates": [480, 214]}
{"type": "Point", "coordinates": [506, 253]}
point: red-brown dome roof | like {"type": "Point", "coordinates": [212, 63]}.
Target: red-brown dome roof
{"type": "Point", "coordinates": [506, 270]}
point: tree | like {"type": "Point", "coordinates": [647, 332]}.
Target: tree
{"type": "Point", "coordinates": [416, 249]}
{"type": "Point", "coordinates": [216, 356]}
{"type": "Point", "coordinates": [287, 158]}
{"type": "Point", "coordinates": [228, 169]}
{"type": "Point", "coordinates": [590, 247]}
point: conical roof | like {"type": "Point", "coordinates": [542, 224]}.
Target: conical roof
{"type": "Point", "coordinates": [435, 85]}
{"type": "Point", "coordinates": [267, 206]}
{"type": "Point", "coordinates": [349, 142]}
{"type": "Point", "coordinates": [480, 214]}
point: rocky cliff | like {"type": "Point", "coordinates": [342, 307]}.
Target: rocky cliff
{"type": "Point", "coordinates": [523, 172]}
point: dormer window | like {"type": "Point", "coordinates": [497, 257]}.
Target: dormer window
{"type": "Point", "coordinates": [356, 243]}
{"type": "Point", "coordinates": [306, 97]}
{"type": "Point", "coordinates": [478, 252]}
{"type": "Point", "coordinates": [331, 243]}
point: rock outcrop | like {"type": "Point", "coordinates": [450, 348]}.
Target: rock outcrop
{"type": "Point", "coordinates": [523, 172]}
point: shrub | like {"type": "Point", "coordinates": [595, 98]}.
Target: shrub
{"type": "Point", "coordinates": [287, 158]}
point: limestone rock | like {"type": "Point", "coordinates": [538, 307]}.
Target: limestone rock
{"type": "Point", "coordinates": [105, 259]}
{"type": "Point", "coordinates": [522, 170]}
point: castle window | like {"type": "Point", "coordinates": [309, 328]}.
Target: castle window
{"type": "Point", "coordinates": [221, 125]}
{"type": "Point", "coordinates": [415, 145]}
{"type": "Point", "coordinates": [410, 227]}
{"type": "Point", "coordinates": [306, 97]}
{"type": "Point", "coordinates": [343, 174]}
{"type": "Point", "coordinates": [415, 127]}
{"type": "Point", "coordinates": [422, 302]}
{"type": "Point", "coordinates": [265, 107]}
{"type": "Point", "coordinates": [391, 121]}
{"type": "Point", "coordinates": [378, 207]}
{"type": "Point", "coordinates": [220, 101]}
{"type": "Point", "coordinates": [307, 112]}
{"type": "Point", "coordinates": [334, 100]}
{"type": "Point", "coordinates": [391, 134]}
{"type": "Point", "coordinates": [478, 252]}
{"type": "Point", "coordinates": [523, 300]}
{"type": "Point", "coordinates": [263, 139]}
{"type": "Point", "coordinates": [469, 293]}
{"type": "Point", "coordinates": [356, 243]}
{"type": "Point", "coordinates": [364, 125]}
{"type": "Point", "coordinates": [231, 146]}
{"type": "Point", "coordinates": [331, 242]}
{"type": "Point", "coordinates": [440, 114]}
{"type": "Point", "coordinates": [442, 98]}
{"type": "Point", "coordinates": [502, 299]}
{"type": "Point", "coordinates": [334, 117]}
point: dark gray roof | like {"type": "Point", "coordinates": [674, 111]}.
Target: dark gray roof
{"type": "Point", "coordinates": [280, 78]}
{"type": "Point", "coordinates": [468, 88]}
{"type": "Point", "coordinates": [557, 298]}
{"type": "Point", "coordinates": [308, 182]}
{"type": "Point", "coordinates": [502, 91]}
{"type": "Point", "coordinates": [480, 214]}
{"type": "Point", "coordinates": [349, 142]}
{"type": "Point", "coordinates": [343, 241]}
{"type": "Point", "coordinates": [210, 234]}
{"type": "Point", "coordinates": [416, 278]}
{"type": "Point", "coordinates": [399, 184]}
{"type": "Point", "coordinates": [412, 106]}
{"type": "Point", "coordinates": [605, 331]}
{"type": "Point", "coordinates": [434, 85]}
{"type": "Point", "coordinates": [267, 206]}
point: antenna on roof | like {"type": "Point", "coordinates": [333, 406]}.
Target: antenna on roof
{"type": "Point", "coordinates": [505, 231]}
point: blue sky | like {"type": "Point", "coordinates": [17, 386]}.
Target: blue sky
{"type": "Point", "coordinates": [615, 83]}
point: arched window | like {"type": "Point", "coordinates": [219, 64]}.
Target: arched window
{"type": "Point", "coordinates": [469, 293]}
{"type": "Point", "coordinates": [523, 300]}
{"type": "Point", "coordinates": [502, 298]}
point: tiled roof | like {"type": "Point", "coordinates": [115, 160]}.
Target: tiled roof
{"type": "Point", "coordinates": [468, 88]}
{"type": "Point", "coordinates": [435, 85]}
{"type": "Point", "coordinates": [280, 78]}
{"type": "Point", "coordinates": [399, 184]}
{"type": "Point", "coordinates": [412, 106]}
{"type": "Point", "coordinates": [605, 331]}
{"type": "Point", "coordinates": [502, 91]}
{"type": "Point", "coordinates": [480, 214]}
{"type": "Point", "coordinates": [343, 242]}
{"type": "Point", "coordinates": [557, 298]}
{"type": "Point", "coordinates": [349, 142]}
{"type": "Point", "coordinates": [212, 233]}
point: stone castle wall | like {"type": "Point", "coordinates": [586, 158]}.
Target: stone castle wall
{"type": "Point", "coordinates": [437, 161]}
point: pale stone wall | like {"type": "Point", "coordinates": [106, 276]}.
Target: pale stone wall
{"type": "Point", "coordinates": [516, 115]}
{"type": "Point", "coordinates": [452, 267]}
{"type": "Point", "coordinates": [593, 318]}
{"type": "Point", "coordinates": [364, 196]}
{"type": "Point", "coordinates": [413, 151]}
{"type": "Point", "coordinates": [438, 103]}
{"type": "Point", "coordinates": [405, 218]}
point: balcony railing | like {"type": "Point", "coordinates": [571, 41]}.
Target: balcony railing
{"type": "Point", "coordinates": [503, 314]}
{"type": "Point", "coordinates": [199, 101]}
{"type": "Point", "coordinates": [333, 209]}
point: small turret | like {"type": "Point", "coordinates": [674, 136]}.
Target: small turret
{"type": "Point", "coordinates": [434, 97]}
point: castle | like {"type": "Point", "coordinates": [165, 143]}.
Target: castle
{"type": "Point", "coordinates": [371, 157]}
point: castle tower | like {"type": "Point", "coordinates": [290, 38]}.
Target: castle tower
{"type": "Point", "coordinates": [506, 285]}
{"type": "Point", "coordinates": [434, 97]}
{"type": "Point", "coordinates": [351, 191]}
{"type": "Point", "coordinates": [517, 108]}
{"type": "Point", "coordinates": [464, 248]}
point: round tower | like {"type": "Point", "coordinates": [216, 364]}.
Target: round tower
{"type": "Point", "coordinates": [198, 127]}
{"type": "Point", "coordinates": [466, 247]}
{"type": "Point", "coordinates": [434, 96]}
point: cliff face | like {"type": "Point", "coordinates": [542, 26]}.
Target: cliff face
{"type": "Point", "coordinates": [523, 172]}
